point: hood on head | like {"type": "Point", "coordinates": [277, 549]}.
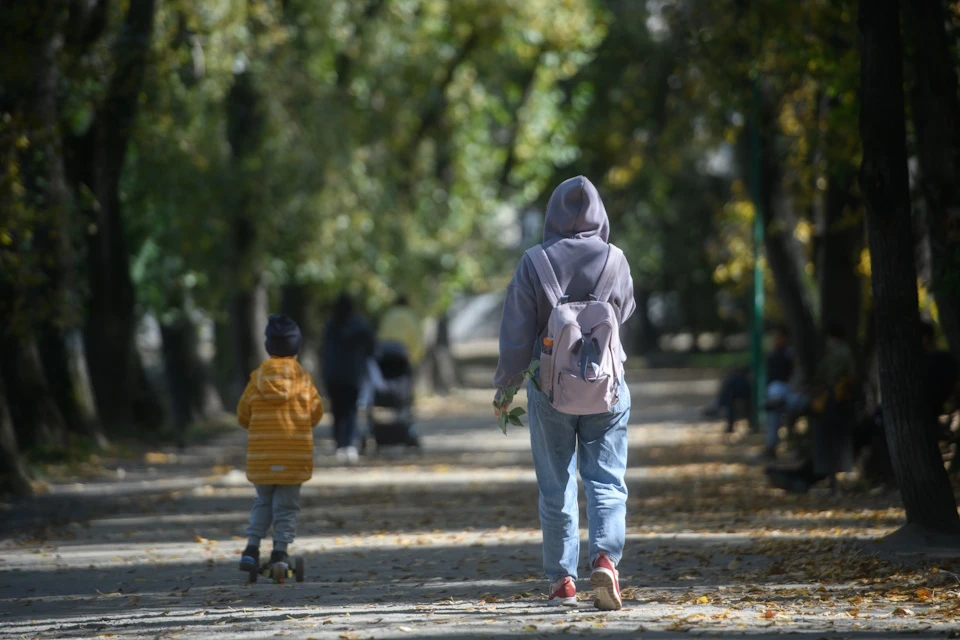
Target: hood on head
{"type": "Point", "coordinates": [575, 211]}
{"type": "Point", "coordinates": [275, 379]}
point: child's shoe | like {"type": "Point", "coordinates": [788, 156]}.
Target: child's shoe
{"type": "Point", "coordinates": [606, 584]}
{"type": "Point", "coordinates": [353, 456]}
{"type": "Point", "coordinates": [341, 455]}
{"type": "Point", "coordinates": [563, 592]}
{"type": "Point", "coordinates": [278, 557]}
{"type": "Point", "coordinates": [250, 559]}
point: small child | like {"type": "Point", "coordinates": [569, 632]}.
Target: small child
{"type": "Point", "coordinates": [279, 409]}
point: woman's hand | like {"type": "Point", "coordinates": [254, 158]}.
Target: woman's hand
{"type": "Point", "coordinates": [499, 408]}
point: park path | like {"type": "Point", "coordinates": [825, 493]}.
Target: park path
{"type": "Point", "coordinates": [447, 544]}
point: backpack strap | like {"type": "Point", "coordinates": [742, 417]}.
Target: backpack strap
{"type": "Point", "coordinates": [548, 277]}
{"type": "Point", "coordinates": [608, 277]}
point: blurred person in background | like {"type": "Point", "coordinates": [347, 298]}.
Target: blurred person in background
{"type": "Point", "coordinates": [402, 324]}
{"type": "Point", "coordinates": [347, 346]}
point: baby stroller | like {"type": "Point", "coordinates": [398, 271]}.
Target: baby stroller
{"type": "Point", "coordinates": [390, 410]}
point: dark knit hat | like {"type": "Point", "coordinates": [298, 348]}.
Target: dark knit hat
{"type": "Point", "coordinates": [283, 336]}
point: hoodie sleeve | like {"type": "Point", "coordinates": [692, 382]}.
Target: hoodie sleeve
{"type": "Point", "coordinates": [316, 404]}
{"type": "Point", "coordinates": [627, 303]}
{"type": "Point", "coordinates": [518, 331]}
{"type": "Point", "coordinates": [243, 407]}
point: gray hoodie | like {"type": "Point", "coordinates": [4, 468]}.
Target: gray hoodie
{"type": "Point", "coordinates": [575, 238]}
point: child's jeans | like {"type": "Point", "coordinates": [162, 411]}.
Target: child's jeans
{"type": "Point", "coordinates": [276, 504]}
{"type": "Point", "coordinates": [601, 440]}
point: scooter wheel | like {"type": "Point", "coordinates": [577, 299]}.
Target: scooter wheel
{"type": "Point", "coordinates": [279, 573]}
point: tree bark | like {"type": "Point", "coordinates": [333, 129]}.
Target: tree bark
{"type": "Point", "coordinates": [39, 422]}
{"type": "Point", "coordinates": [783, 255]}
{"type": "Point", "coordinates": [54, 309]}
{"type": "Point", "coordinates": [65, 363]}
{"type": "Point", "coordinates": [248, 317]}
{"type": "Point", "coordinates": [787, 271]}
{"type": "Point", "coordinates": [246, 121]}
{"type": "Point", "coordinates": [936, 121]}
{"type": "Point", "coordinates": [14, 476]}
{"type": "Point", "coordinates": [189, 382]}
{"type": "Point", "coordinates": [295, 301]}
{"type": "Point", "coordinates": [921, 477]}
{"type": "Point", "coordinates": [96, 164]}
{"type": "Point", "coordinates": [841, 243]}
{"type": "Point", "coordinates": [443, 368]}
{"type": "Point", "coordinates": [647, 335]}
{"type": "Point", "coordinates": [223, 361]}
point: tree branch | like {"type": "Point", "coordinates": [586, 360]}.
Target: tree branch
{"type": "Point", "coordinates": [343, 64]}
{"type": "Point", "coordinates": [528, 83]}
{"type": "Point", "coordinates": [437, 98]}
{"type": "Point", "coordinates": [115, 117]}
{"type": "Point", "coordinates": [86, 22]}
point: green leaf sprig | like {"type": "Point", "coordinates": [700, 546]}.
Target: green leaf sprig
{"type": "Point", "coordinates": [506, 399]}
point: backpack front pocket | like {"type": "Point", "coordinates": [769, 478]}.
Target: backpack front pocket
{"type": "Point", "coordinates": [578, 397]}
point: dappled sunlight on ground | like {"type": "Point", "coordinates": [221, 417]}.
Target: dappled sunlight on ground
{"type": "Point", "coordinates": [447, 542]}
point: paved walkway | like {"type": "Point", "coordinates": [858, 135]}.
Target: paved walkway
{"type": "Point", "coordinates": [447, 543]}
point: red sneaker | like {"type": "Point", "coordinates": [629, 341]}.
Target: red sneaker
{"type": "Point", "coordinates": [563, 592]}
{"type": "Point", "coordinates": [605, 581]}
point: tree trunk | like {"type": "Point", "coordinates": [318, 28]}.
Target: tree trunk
{"type": "Point", "coordinates": [840, 246]}
{"type": "Point", "coordinates": [65, 362]}
{"type": "Point", "coordinates": [248, 318]}
{"type": "Point", "coordinates": [443, 368]}
{"type": "Point", "coordinates": [192, 395]}
{"type": "Point", "coordinates": [936, 121]}
{"type": "Point", "coordinates": [14, 476]}
{"type": "Point", "coordinates": [205, 399]}
{"type": "Point", "coordinates": [223, 362]}
{"type": "Point", "coordinates": [787, 271]}
{"type": "Point", "coordinates": [96, 165]}
{"type": "Point", "coordinates": [921, 477]}
{"type": "Point", "coordinates": [782, 254]}
{"type": "Point", "coordinates": [47, 193]}
{"type": "Point", "coordinates": [246, 122]}
{"type": "Point", "coordinates": [176, 369]}
{"type": "Point", "coordinates": [38, 420]}
{"type": "Point", "coordinates": [647, 334]}
{"type": "Point", "coordinates": [295, 302]}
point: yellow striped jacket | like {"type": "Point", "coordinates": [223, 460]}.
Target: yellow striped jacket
{"type": "Point", "coordinates": [279, 409]}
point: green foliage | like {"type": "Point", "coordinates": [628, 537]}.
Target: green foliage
{"type": "Point", "coordinates": [396, 134]}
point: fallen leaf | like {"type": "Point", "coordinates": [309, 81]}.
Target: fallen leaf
{"type": "Point", "coordinates": [530, 627]}
{"type": "Point", "coordinates": [768, 614]}
{"type": "Point", "coordinates": [703, 600]}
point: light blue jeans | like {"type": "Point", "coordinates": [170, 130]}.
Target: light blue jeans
{"type": "Point", "coordinates": [277, 504]}
{"type": "Point", "coordinates": [601, 442]}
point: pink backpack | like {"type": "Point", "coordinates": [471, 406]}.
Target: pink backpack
{"type": "Point", "coordinates": [581, 372]}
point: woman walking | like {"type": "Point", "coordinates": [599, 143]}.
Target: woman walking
{"type": "Point", "coordinates": [348, 343]}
